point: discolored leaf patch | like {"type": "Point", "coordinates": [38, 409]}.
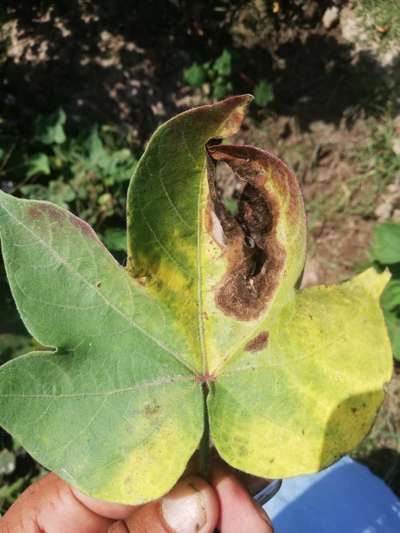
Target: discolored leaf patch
{"type": "Point", "coordinates": [258, 343]}
{"type": "Point", "coordinates": [46, 210]}
{"type": "Point", "coordinates": [254, 254]}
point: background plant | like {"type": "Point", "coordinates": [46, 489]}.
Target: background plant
{"type": "Point", "coordinates": [382, 18]}
{"type": "Point", "coordinates": [218, 74]}
{"type": "Point", "coordinates": [385, 253]}
{"type": "Point", "coordinates": [87, 172]}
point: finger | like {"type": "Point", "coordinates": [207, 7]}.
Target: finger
{"type": "Point", "coordinates": [238, 512]}
{"type": "Point", "coordinates": [114, 511]}
{"type": "Point", "coordinates": [51, 505]}
{"type": "Point", "coordinates": [192, 506]}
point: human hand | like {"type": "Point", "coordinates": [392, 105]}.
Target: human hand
{"type": "Point", "coordinates": [52, 506]}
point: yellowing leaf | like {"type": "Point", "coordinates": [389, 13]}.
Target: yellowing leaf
{"type": "Point", "coordinates": [168, 242]}
{"type": "Point", "coordinates": [207, 309]}
{"type": "Point", "coordinates": [173, 218]}
{"type": "Point", "coordinates": [308, 396]}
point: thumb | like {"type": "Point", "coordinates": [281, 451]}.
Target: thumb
{"type": "Point", "coordinates": [192, 506]}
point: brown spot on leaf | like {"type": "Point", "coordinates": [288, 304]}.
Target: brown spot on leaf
{"type": "Point", "coordinates": [255, 257]}
{"type": "Point", "coordinates": [85, 228]}
{"type": "Point", "coordinates": [46, 210]}
{"type": "Point", "coordinates": [258, 343]}
{"type": "Point", "coordinates": [255, 165]}
{"type": "Point", "coordinates": [34, 212]}
{"type": "Point", "coordinates": [151, 409]}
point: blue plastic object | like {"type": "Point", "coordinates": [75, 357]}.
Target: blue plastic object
{"type": "Point", "coordinates": [344, 498]}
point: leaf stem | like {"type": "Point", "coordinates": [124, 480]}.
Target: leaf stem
{"type": "Point", "coordinates": [205, 439]}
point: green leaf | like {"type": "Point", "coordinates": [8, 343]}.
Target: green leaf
{"type": "Point", "coordinates": [97, 387]}
{"type": "Point", "coordinates": [38, 192]}
{"type": "Point", "coordinates": [195, 75]}
{"type": "Point", "coordinates": [60, 193]}
{"type": "Point", "coordinates": [121, 167]}
{"type": "Point", "coordinates": [392, 318]}
{"type": "Point", "coordinates": [97, 154]}
{"type": "Point", "coordinates": [263, 93]}
{"type": "Point", "coordinates": [115, 239]}
{"type": "Point", "coordinates": [223, 64]}
{"type": "Point", "coordinates": [208, 303]}
{"type": "Point", "coordinates": [221, 88]}
{"type": "Point", "coordinates": [391, 295]}
{"type": "Point", "coordinates": [386, 243]}
{"type": "Point", "coordinates": [390, 301]}
{"type": "Point", "coordinates": [50, 128]}
{"type": "Point", "coordinates": [38, 164]}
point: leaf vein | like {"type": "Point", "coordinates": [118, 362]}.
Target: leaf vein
{"type": "Point", "coordinates": [62, 260]}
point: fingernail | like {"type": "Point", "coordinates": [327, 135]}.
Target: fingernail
{"type": "Point", "coordinates": [184, 508]}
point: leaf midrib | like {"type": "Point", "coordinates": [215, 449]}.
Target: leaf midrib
{"type": "Point", "coordinates": [105, 394]}
{"type": "Point", "coordinates": [200, 317]}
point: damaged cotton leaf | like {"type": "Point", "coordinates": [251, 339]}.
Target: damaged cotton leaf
{"type": "Point", "coordinates": [269, 215]}
{"type": "Point", "coordinates": [204, 328]}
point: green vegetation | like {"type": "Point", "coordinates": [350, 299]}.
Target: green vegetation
{"type": "Point", "coordinates": [385, 253]}
{"type": "Point", "coordinates": [17, 471]}
{"type": "Point", "coordinates": [218, 75]}
{"type": "Point", "coordinates": [87, 173]}
{"type": "Point", "coordinates": [380, 450]}
{"type": "Point", "coordinates": [263, 93]}
{"type": "Point", "coordinates": [382, 17]}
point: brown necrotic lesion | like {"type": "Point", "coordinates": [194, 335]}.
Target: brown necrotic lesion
{"type": "Point", "coordinates": [243, 222]}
